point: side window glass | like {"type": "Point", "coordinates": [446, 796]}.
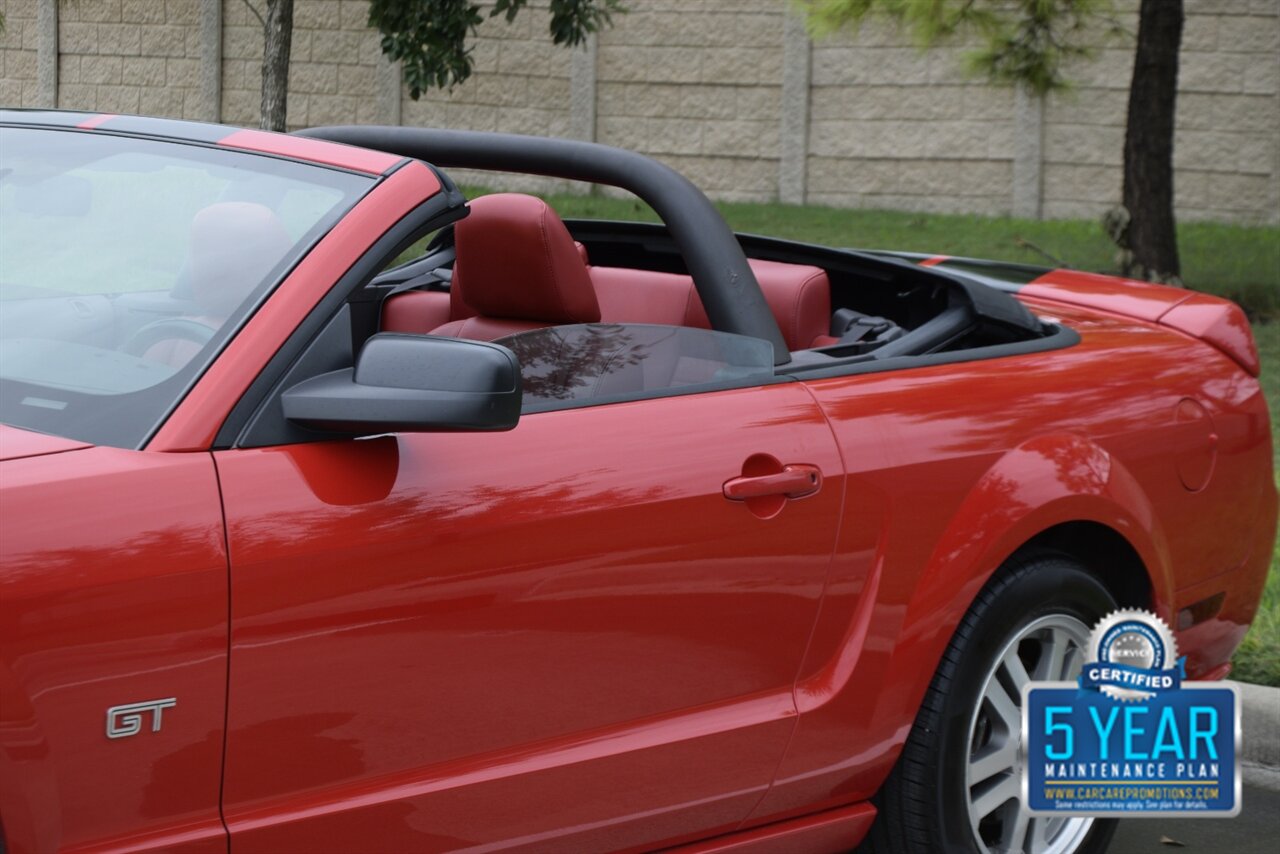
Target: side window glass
{"type": "Point", "coordinates": [607, 362]}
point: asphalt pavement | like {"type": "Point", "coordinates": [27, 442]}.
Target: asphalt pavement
{"type": "Point", "coordinates": [1256, 829]}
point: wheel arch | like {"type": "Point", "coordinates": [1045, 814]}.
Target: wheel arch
{"type": "Point", "coordinates": [1105, 552]}
{"type": "Point", "coordinates": [1058, 491]}
{"type": "Point", "coordinates": [1061, 491]}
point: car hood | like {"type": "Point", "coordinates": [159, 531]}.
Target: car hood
{"type": "Point", "coordinates": [16, 443]}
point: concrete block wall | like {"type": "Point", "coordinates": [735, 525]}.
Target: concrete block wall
{"type": "Point", "coordinates": [333, 68]}
{"type": "Point", "coordinates": [520, 83]}
{"type": "Point", "coordinates": [1227, 138]}
{"type": "Point", "coordinates": [130, 56]}
{"type": "Point", "coordinates": [19, 55]}
{"type": "Point", "coordinates": [891, 127]}
{"type": "Point", "coordinates": [699, 85]}
{"type": "Point", "coordinates": [731, 92]}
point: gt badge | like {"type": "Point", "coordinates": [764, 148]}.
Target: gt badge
{"type": "Point", "coordinates": [124, 721]}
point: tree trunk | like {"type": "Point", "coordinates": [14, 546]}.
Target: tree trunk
{"type": "Point", "coordinates": [1148, 143]}
{"type": "Point", "coordinates": [278, 39]}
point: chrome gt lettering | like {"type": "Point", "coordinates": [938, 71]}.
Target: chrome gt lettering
{"type": "Point", "coordinates": [126, 720]}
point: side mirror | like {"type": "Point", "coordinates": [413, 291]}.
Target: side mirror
{"type": "Point", "coordinates": [408, 383]}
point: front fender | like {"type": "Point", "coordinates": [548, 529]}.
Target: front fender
{"type": "Point", "coordinates": [30, 801]}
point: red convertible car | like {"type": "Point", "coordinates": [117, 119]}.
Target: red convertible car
{"type": "Point", "coordinates": [548, 536]}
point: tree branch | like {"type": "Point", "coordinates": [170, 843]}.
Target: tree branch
{"type": "Point", "coordinates": [256, 14]}
{"type": "Point", "coordinates": [1027, 244]}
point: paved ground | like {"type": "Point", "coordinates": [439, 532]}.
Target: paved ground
{"type": "Point", "coordinates": [1256, 829]}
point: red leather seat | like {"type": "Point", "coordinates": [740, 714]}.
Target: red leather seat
{"type": "Point", "coordinates": [419, 312]}
{"type": "Point", "coordinates": [800, 298]}
{"type": "Point", "coordinates": [218, 280]}
{"type": "Point", "coordinates": [798, 295]}
{"type": "Point", "coordinates": [517, 269]}
{"type": "Point", "coordinates": [644, 296]}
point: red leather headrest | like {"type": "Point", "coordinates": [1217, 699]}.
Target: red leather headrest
{"type": "Point", "coordinates": [233, 246]}
{"type": "Point", "coordinates": [516, 260]}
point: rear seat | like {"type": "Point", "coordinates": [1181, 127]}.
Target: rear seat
{"type": "Point", "coordinates": [420, 312]}
{"type": "Point", "coordinates": [417, 312]}
{"type": "Point", "coordinates": [798, 295]}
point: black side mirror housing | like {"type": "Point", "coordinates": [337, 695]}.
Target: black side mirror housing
{"type": "Point", "coordinates": [413, 383]}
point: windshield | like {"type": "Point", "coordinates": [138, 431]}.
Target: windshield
{"type": "Point", "coordinates": [127, 264]}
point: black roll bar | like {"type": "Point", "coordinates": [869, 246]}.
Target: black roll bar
{"type": "Point", "coordinates": [725, 282]}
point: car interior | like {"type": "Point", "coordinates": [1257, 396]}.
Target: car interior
{"type": "Point", "coordinates": [595, 311]}
{"type": "Point", "coordinates": [512, 265]}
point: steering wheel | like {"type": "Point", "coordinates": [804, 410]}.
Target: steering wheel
{"type": "Point", "coordinates": [166, 329]}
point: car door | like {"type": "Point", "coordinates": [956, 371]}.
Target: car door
{"type": "Point", "coordinates": [565, 635]}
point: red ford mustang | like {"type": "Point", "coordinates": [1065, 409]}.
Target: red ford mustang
{"type": "Point", "coordinates": [562, 536]}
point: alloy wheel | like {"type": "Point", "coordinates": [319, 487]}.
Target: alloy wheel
{"type": "Point", "coordinates": [1051, 648]}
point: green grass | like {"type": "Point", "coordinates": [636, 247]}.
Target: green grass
{"type": "Point", "coordinates": [1238, 262]}
{"type": "Point", "coordinates": [1268, 337]}
{"type": "Point", "coordinates": [1258, 659]}
{"type": "Point", "coordinates": [1235, 261]}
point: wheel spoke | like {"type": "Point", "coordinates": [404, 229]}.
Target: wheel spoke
{"type": "Point", "coordinates": [994, 780]}
{"type": "Point", "coordinates": [1015, 835]}
{"type": "Point", "coordinates": [1015, 670]}
{"type": "Point", "coordinates": [1071, 663]}
{"type": "Point", "coordinates": [1041, 833]}
{"type": "Point", "coordinates": [1004, 707]}
{"type": "Point", "coordinates": [1053, 655]}
{"type": "Point", "coordinates": [1003, 758]}
{"type": "Point", "coordinates": [997, 795]}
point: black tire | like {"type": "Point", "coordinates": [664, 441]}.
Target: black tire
{"type": "Point", "coordinates": [924, 805]}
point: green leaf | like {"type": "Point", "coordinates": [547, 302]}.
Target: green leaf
{"type": "Point", "coordinates": [429, 37]}
{"type": "Point", "coordinates": [1024, 42]}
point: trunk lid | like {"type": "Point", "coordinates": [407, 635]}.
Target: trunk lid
{"type": "Point", "coordinates": [1218, 322]}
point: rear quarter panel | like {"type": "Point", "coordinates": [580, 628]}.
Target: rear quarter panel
{"type": "Point", "coordinates": [962, 464]}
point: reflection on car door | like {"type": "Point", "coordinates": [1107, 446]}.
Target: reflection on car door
{"type": "Point", "coordinates": [561, 635]}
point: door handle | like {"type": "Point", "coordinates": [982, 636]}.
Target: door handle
{"type": "Point", "coordinates": [794, 481]}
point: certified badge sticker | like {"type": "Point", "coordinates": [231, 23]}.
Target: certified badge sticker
{"type": "Point", "coordinates": [1132, 656]}
{"type": "Point", "coordinates": [1131, 737]}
